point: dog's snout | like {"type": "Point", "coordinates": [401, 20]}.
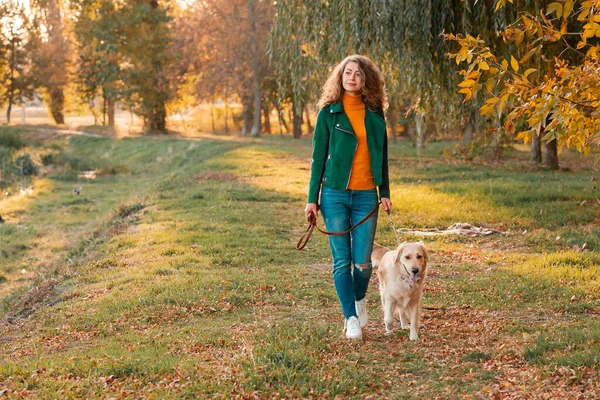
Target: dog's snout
{"type": "Point", "coordinates": [415, 271]}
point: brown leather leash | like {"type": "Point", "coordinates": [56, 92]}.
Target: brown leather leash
{"type": "Point", "coordinates": [312, 224]}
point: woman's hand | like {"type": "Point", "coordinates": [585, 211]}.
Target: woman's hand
{"type": "Point", "coordinates": [386, 204]}
{"type": "Point", "coordinates": [311, 208]}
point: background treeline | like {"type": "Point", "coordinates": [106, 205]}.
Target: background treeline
{"type": "Point", "coordinates": [261, 62]}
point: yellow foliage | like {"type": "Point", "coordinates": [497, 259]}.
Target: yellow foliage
{"type": "Point", "coordinates": [467, 83]}
{"type": "Point", "coordinates": [514, 63]}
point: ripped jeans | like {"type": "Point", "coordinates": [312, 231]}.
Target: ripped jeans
{"type": "Point", "coordinates": [351, 252]}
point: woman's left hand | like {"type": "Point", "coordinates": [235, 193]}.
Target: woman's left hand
{"type": "Point", "coordinates": [386, 204]}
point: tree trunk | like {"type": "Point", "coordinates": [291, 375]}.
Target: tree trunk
{"type": "Point", "coordinates": [111, 111]}
{"type": "Point", "coordinates": [103, 110]}
{"type": "Point", "coordinates": [536, 148]}
{"type": "Point", "coordinates": [212, 112]}
{"type": "Point", "coordinates": [226, 106]}
{"type": "Point", "coordinates": [389, 116]}
{"type": "Point", "coordinates": [552, 155]}
{"type": "Point", "coordinates": [297, 118]}
{"type": "Point", "coordinates": [310, 127]}
{"type": "Point", "coordinates": [255, 69]}
{"type": "Point", "coordinates": [11, 90]}
{"type": "Point", "coordinates": [468, 131]}
{"type": "Point", "coordinates": [280, 118]}
{"type": "Point", "coordinates": [267, 118]}
{"type": "Point", "coordinates": [57, 105]}
{"type": "Point", "coordinates": [420, 121]}
{"type": "Point", "coordinates": [245, 118]}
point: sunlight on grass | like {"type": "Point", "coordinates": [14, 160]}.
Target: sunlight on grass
{"type": "Point", "coordinates": [571, 269]}
{"type": "Point", "coordinates": [421, 206]}
{"type": "Point", "coordinates": [15, 206]}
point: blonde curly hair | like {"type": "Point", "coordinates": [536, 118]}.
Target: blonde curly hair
{"type": "Point", "coordinates": [373, 89]}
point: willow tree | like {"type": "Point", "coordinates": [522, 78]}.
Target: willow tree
{"type": "Point", "coordinates": [402, 36]}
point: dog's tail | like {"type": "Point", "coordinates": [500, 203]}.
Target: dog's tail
{"type": "Point", "coordinates": [377, 253]}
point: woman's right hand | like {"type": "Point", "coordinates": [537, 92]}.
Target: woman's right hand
{"type": "Point", "coordinates": [311, 208]}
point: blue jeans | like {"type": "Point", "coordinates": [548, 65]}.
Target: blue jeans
{"type": "Point", "coordinates": [351, 252]}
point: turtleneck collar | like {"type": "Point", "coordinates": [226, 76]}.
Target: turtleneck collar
{"type": "Point", "coordinates": [352, 101]}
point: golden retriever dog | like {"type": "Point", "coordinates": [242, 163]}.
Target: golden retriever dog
{"type": "Point", "coordinates": [401, 275]}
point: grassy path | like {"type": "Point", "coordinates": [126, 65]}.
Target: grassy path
{"type": "Point", "coordinates": [175, 276]}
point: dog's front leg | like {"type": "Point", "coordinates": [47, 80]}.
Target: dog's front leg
{"type": "Point", "coordinates": [388, 318]}
{"type": "Point", "coordinates": [415, 315]}
{"type": "Point", "coordinates": [403, 318]}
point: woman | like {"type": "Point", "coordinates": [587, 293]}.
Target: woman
{"type": "Point", "coordinates": [349, 162]}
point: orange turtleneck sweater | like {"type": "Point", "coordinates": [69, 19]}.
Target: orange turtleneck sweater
{"type": "Point", "coordinates": [361, 177]}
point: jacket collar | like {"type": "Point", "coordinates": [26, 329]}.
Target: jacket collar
{"type": "Point", "coordinates": [336, 108]}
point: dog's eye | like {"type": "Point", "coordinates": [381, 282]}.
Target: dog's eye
{"type": "Point", "coordinates": [407, 257]}
{"type": "Point", "coordinates": [419, 256]}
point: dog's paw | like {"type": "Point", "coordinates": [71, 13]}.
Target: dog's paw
{"type": "Point", "coordinates": [414, 336]}
{"type": "Point", "coordinates": [388, 332]}
{"type": "Point", "coordinates": [407, 327]}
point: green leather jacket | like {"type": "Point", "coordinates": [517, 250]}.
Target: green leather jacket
{"type": "Point", "coordinates": [334, 145]}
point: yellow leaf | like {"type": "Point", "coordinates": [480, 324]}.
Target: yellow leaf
{"type": "Point", "coordinates": [581, 44]}
{"type": "Point", "coordinates": [556, 36]}
{"type": "Point", "coordinates": [588, 33]}
{"type": "Point", "coordinates": [529, 71]}
{"type": "Point", "coordinates": [484, 66]}
{"type": "Point", "coordinates": [494, 70]}
{"type": "Point", "coordinates": [522, 135]}
{"type": "Point", "coordinates": [489, 85]}
{"type": "Point", "coordinates": [597, 18]}
{"type": "Point", "coordinates": [467, 83]}
{"type": "Point", "coordinates": [467, 92]}
{"type": "Point", "coordinates": [473, 75]}
{"type": "Point", "coordinates": [554, 7]}
{"type": "Point", "coordinates": [504, 65]}
{"type": "Point", "coordinates": [492, 100]}
{"type": "Point", "coordinates": [567, 8]}
{"type": "Point", "coordinates": [500, 3]}
{"type": "Point", "coordinates": [519, 36]}
{"type": "Point", "coordinates": [597, 32]}
{"type": "Point", "coordinates": [514, 64]}
{"type": "Point", "coordinates": [486, 110]}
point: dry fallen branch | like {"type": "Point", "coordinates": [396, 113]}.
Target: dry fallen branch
{"type": "Point", "coordinates": [454, 229]}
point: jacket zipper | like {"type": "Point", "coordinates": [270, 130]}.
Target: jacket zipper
{"type": "Point", "coordinates": [355, 148]}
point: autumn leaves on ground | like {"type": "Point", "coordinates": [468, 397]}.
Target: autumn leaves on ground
{"type": "Point", "coordinates": [174, 274]}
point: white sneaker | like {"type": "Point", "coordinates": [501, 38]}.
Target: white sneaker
{"type": "Point", "coordinates": [353, 330]}
{"type": "Point", "coordinates": [361, 310]}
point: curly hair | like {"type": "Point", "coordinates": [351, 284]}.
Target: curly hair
{"type": "Point", "coordinates": [373, 89]}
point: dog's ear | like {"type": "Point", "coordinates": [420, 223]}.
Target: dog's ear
{"type": "Point", "coordinates": [424, 249]}
{"type": "Point", "coordinates": [400, 249]}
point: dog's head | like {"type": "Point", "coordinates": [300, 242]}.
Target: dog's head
{"type": "Point", "coordinates": [412, 260]}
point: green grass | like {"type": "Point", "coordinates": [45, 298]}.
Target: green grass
{"type": "Point", "coordinates": [176, 276]}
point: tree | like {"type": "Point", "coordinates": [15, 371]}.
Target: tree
{"type": "Point", "coordinates": [17, 70]}
{"type": "Point", "coordinates": [228, 41]}
{"type": "Point", "coordinates": [558, 97]}
{"type": "Point", "coordinates": [147, 58]}
{"type": "Point", "coordinates": [51, 55]}
{"type": "Point", "coordinates": [99, 37]}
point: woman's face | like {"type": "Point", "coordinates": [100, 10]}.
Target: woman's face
{"type": "Point", "coordinates": [352, 79]}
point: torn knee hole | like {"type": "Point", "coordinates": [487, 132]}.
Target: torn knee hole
{"type": "Point", "coordinates": [363, 267]}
